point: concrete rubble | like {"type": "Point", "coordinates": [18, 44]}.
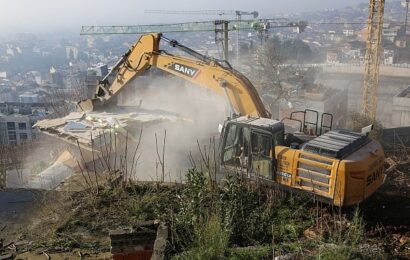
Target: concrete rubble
{"type": "Point", "coordinates": [48, 179]}
{"type": "Point", "coordinates": [95, 129]}
{"type": "Point", "coordinates": [60, 170]}
{"type": "Point", "coordinates": [147, 241]}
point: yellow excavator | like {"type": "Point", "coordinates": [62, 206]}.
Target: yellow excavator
{"type": "Point", "coordinates": [340, 167]}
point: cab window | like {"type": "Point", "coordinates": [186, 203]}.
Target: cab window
{"type": "Point", "coordinates": [261, 144]}
{"type": "Point", "coordinates": [278, 138]}
{"type": "Point", "coordinates": [237, 145]}
{"type": "Point", "coordinates": [261, 162]}
{"type": "Point", "coordinates": [229, 149]}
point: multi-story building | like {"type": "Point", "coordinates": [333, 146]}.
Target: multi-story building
{"type": "Point", "coordinates": [401, 108]}
{"type": "Point", "coordinates": [15, 129]}
{"type": "Point", "coordinates": [71, 52]}
{"type": "Point", "coordinates": [322, 100]}
{"type": "Point", "coordinates": [94, 75]}
{"type": "Point", "coordinates": [390, 33]}
{"type": "Point", "coordinates": [29, 98]}
{"type": "Point", "coordinates": [348, 32]}
{"type": "Point", "coordinates": [332, 57]}
{"type": "Point", "coordinates": [388, 57]}
{"type": "Point", "coordinates": [56, 77]}
{"type": "Point", "coordinates": [17, 119]}
{"type": "Point", "coordinates": [401, 42]}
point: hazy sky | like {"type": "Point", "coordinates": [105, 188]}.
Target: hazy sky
{"type": "Point", "coordinates": [46, 15]}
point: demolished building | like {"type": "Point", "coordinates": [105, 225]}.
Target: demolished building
{"type": "Point", "coordinates": [92, 130]}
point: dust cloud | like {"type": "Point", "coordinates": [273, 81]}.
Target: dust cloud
{"type": "Point", "coordinates": [201, 111]}
{"type": "Point", "coordinates": [195, 113]}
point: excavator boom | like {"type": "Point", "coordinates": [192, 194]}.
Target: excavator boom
{"type": "Point", "coordinates": [201, 70]}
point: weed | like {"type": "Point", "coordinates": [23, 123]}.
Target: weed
{"type": "Point", "coordinates": [211, 240]}
{"type": "Point", "coordinates": [245, 253]}
{"type": "Point", "coordinates": [343, 242]}
{"type": "Point", "coordinates": [338, 252]}
{"type": "Point", "coordinates": [213, 221]}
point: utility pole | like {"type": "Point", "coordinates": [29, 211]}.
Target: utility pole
{"type": "Point", "coordinates": [226, 40]}
{"type": "Point", "coordinates": [238, 21]}
{"type": "Point", "coordinates": [407, 12]}
{"type": "Point", "coordinates": [222, 26]}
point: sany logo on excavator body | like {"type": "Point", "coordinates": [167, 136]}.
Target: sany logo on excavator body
{"type": "Point", "coordinates": [185, 70]}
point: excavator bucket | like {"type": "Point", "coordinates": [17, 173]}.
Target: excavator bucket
{"type": "Point", "coordinates": [85, 105]}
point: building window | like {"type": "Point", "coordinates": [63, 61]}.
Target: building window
{"type": "Point", "coordinates": [22, 126]}
{"type": "Point", "coordinates": [12, 136]}
{"type": "Point", "coordinates": [11, 126]}
{"type": "Point", "coordinates": [23, 136]}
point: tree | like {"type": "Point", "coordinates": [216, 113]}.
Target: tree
{"type": "Point", "coordinates": [296, 50]}
{"type": "Point", "coordinates": [71, 54]}
{"type": "Point", "coordinates": [271, 74]}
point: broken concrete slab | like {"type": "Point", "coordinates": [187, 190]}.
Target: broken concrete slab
{"type": "Point", "coordinates": [53, 176]}
{"type": "Point", "coordinates": [50, 178]}
{"type": "Point", "coordinates": [93, 130]}
{"type": "Point", "coordinates": [75, 116]}
{"type": "Point", "coordinates": [48, 123]}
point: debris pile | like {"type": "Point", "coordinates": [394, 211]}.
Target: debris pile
{"type": "Point", "coordinates": [64, 167]}
{"type": "Point", "coordinates": [398, 171]}
{"type": "Point", "coordinates": [94, 129]}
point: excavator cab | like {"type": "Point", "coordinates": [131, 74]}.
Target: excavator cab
{"type": "Point", "coordinates": [248, 145]}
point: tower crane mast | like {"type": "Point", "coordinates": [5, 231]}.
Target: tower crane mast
{"type": "Point", "coordinates": [372, 58]}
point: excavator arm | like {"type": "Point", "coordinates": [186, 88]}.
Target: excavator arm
{"type": "Point", "coordinates": [201, 70]}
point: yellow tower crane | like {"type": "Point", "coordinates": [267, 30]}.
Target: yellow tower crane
{"type": "Point", "coordinates": [372, 58]}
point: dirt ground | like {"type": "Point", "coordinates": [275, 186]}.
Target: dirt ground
{"type": "Point", "coordinates": [387, 212]}
{"type": "Point", "coordinates": [32, 217]}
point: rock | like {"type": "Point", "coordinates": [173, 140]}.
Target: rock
{"type": "Point", "coordinates": [160, 242]}
{"type": "Point", "coordinates": [371, 250]}
{"type": "Point", "coordinates": [403, 240]}
{"type": "Point", "coordinates": [285, 257]}
{"type": "Point", "coordinates": [6, 257]}
{"type": "Point", "coordinates": [22, 243]}
{"type": "Point", "coordinates": [396, 237]}
{"type": "Point", "coordinates": [310, 233]}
